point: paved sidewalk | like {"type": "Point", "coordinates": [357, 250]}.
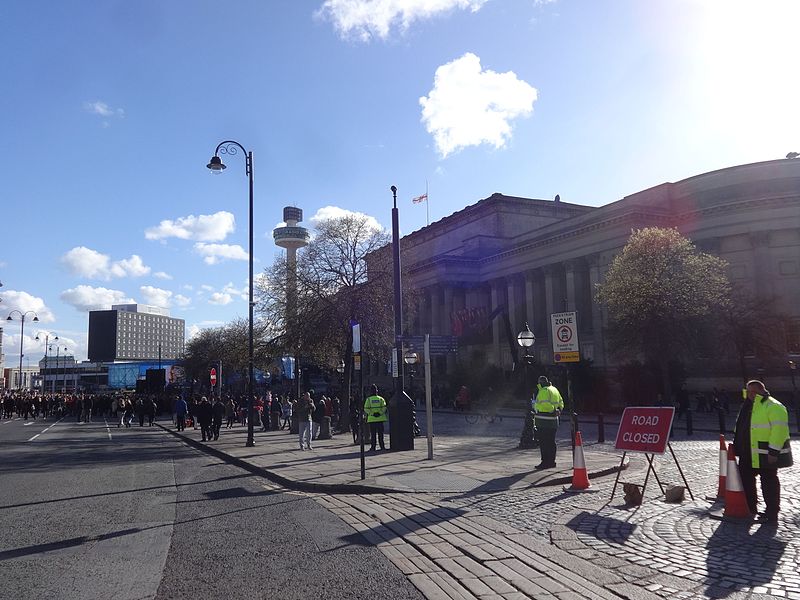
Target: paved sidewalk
{"type": "Point", "coordinates": [465, 464]}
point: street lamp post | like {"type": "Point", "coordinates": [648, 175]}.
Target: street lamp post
{"type": "Point", "coordinates": [64, 387]}
{"type": "Point", "coordinates": [526, 339]}
{"type": "Point", "coordinates": [792, 369]}
{"type": "Point", "coordinates": [401, 414]}
{"type": "Point", "coordinates": [46, 362]}
{"type": "Point", "coordinates": [216, 166]}
{"type": "Point", "coordinates": [22, 316]}
{"type": "Point", "coordinates": [411, 358]}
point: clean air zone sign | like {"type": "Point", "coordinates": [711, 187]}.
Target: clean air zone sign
{"type": "Point", "coordinates": [564, 333]}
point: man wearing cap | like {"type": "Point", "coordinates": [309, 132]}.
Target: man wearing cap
{"type": "Point", "coordinates": [761, 441]}
{"type": "Point", "coordinates": [547, 405]}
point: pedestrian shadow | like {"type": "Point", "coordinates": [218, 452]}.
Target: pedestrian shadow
{"type": "Point", "coordinates": [498, 484]}
{"type": "Point", "coordinates": [390, 530]}
{"type": "Point", "coordinates": [601, 527]}
{"type": "Point", "coordinates": [740, 556]}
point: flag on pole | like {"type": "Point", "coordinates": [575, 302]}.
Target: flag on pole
{"type": "Point", "coordinates": [420, 199]}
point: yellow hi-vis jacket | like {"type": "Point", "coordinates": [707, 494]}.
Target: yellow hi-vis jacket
{"type": "Point", "coordinates": [548, 400]}
{"type": "Point", "coordinates": [769, 433]}
{"type": "Point", "coordinates": [375, 409]}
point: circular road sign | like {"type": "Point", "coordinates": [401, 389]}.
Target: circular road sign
{"type": "Point", "coordinates": [564, 334]}
{"type": "Point", "coordinates": [213, 377]}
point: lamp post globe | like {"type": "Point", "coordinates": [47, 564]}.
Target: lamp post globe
{"type": "Point", "coordinates": [526, 339]}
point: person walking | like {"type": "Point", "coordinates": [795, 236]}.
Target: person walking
{"type": "Point", "coordinates": [181, 408]}
{"type": "Point", "coordinates": [204, 415]}
{"type": "Point", "coordinates": [230, 413]}
{"type": "Point", "coordinates": [317, 417]}
{"type": "Point", "coordinates": [761, 441]}
{"type": "Point", "coordinates": [375, 409]}
{"type": "Point", "coordinates": [286, 412]}
{"type": "Point", "coordinates": [304, 408]}
{"type": "Point", "coordinates": [547, 406]}
{"type": "Point", "coordinates": [217, 414]}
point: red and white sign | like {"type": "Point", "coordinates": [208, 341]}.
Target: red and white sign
{"type": "Point", "coordinates": [213, 377]}
{"type": "Point", "coordinates": [645, 429]}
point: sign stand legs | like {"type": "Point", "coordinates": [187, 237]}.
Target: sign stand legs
{"type": "Point", "coordinates": [616, 481]}
{"type": "Point", "coordinates": [651, 468]}
{"type": "Point", "coordinates": [677, 464]}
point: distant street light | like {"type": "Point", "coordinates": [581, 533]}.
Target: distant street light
{"type": "Point", "coordinates": [46, 348]}
{"type": "Point", "coordinates": [526, 339]}
{"type": "Point", "coordinates": [22, 316]}
{"type": "Point", "coordinates": [216, 166]}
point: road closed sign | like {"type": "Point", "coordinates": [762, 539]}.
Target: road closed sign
{"type": "Point", "coordinates": [644, 429]}
{"type": "Point", "coordinates": [564, 333]}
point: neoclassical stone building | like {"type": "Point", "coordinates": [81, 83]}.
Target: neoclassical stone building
{"type": "Point", "coordinates": [536, 257]}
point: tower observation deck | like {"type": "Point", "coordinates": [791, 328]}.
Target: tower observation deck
{"type": "Point", "coordinates": [292, 236]}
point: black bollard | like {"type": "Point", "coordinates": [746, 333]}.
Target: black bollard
{"type": "Point", "coordinates": [721, 416]}
{"type": "Point", "coordinates": [601, 428]}
{"type": "Point", "coordinates": [797, 411]}
{"type": "Point", "coordinates": [689, 427]}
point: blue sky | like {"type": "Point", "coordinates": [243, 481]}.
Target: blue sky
{"type": "Point", "coordinates": [112, 109]}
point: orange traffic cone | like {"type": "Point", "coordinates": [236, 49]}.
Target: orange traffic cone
{"type": "Point", "coordinates": [580, 478]}
{"type": "Point", "coordinates": [723, 471]}
{"type": "Point", "coordinates": [723, 468]}
{"type": "Point", "coordinates": [735, 500]}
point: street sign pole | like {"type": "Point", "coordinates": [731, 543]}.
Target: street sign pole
{"type": "Point", "coordinates": [428, 395]}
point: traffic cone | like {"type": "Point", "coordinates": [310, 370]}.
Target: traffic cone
{"type": "Point", "coordinates": [723, 471]}
{"type": "Point", "coordinates": [735, 500]}
{"type": "Point", "coordinates": [580, 478]}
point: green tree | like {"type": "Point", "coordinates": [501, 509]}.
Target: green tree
{"type": "Point", "coordinates": [344, 275]}
{"type": "Point", "coordinates": [659, 290]}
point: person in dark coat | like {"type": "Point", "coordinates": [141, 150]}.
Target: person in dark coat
{"type": "Point", "coordinates": [205, 417]}
{"type": "Point", "coordinates": [217, 414]}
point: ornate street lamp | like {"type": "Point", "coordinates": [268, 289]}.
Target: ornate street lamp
{"type": "Point", "coordinates": [22, 316]}
{"type": "Point", "coordinates": [216, 166]}
{"type": "Point", "coordinates": [411, 358]}
{"type": "Point", "coordinates": [526, 339]}
{"type": "Point", "coordinates": [46, 362]}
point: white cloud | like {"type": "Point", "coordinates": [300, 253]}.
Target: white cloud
{"type": "Point", "coordinates": [86, 297]}
{"type": "Point", "coordinates": [207, 288]}
{"type": "Point", "coordinates": [195, 328]}
{"type": "Point", "coordinates": [23, 302]}
{"type": "Point", "coordinates": [92, 264]}
{"type": "Point", "coordinates": [335, 212]}
{"type": "Point", "coordinates": [220, 298]}
{"type": "Point", "coordinates": [365, 19]}
{"type": "Point", "coordinates": [469, 106]}
{"type": "Point", "coordinates": [156, 296]}
{"type": "Point", "coordinates": [101, 109]}
{"type": "Point", "coordinates": [187, 286]}
{"type": "Point", "coordinates": [215, 253]}
{"type": "Point", "coordinates": [181, 300]}
{"type": "Point", "coordinates": [162, 275]}
{"type": "Point", "coordinates": [202, 228]}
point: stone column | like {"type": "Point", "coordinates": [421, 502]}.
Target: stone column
{"type": "Point", "coordinates": [596, 313]}
{"type": "Point", "coordinates": [762, 271]}
{"type": "Point", "coordinates": [514, 300]}
{"type": "Point", "coordinates": [497, 323]}
{"type": "Point", "coordinates": [570, 268]}
{"type": "Point", "coordinates": [530, 301]}
{"type": "Point", "coordinates": [549, 292]}
{"type": "Point", "coordinates": [447, 326]}
{"type": "Point", "coordinates": [436, 310]}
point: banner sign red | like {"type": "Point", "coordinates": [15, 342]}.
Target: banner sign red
{"type": "Point", "coordinates": [644, 429]}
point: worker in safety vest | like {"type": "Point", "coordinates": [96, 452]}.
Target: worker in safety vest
{"type": "Point", "coordinates": [547, 405]}
{"type": "Point", "coordinates": [375, 411]}
{"type": "Point", "coordinates": [761, 441]}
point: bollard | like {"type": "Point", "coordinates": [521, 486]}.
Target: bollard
{"type": "Point", "coordinates": [689, 427]}
{"type": "Point", "coordinates": [574, 426]}
{"type": "Point", "coordinates": [797, 411]}
{"type": "Point", "coordinates": [275, 421]}
{"type": "Point", "coordinates": [294, 427]}
{"type": "Point", "coordinates": [325, 429]}
{"type": "Point", "coordinates": [601, 428]}
{"type": "Point", "coordinates": [721, 415]}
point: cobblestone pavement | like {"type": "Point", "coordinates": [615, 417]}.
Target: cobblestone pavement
{"type": "Point", "coordinates": [672, 550]}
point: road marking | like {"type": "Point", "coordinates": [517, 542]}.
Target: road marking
{"type": "Point", "coordinates": [7, 421]}
{"type": "Point", "coordinates": [108, 429]}
{"type": "Point", "coordinates": [29, 423]}
{"type": "Point", "coordinates": [46, 430]}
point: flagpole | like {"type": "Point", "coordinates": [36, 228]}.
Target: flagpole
{"type": "Point", "coordinates": [427, 204]}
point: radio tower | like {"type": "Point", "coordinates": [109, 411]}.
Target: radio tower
{"type": "Point", "coordinates": [292, 237]}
